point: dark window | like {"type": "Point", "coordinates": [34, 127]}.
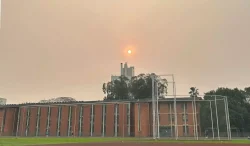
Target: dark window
{"type": "Point", "coordinates": [59, 114]}
{"type": "Point", "coordinates": [38, 121]}
{"type": "Point", "coordinates": [184, 106]}
{"type": "Point", "coordinates": [80, 124]}
{"type": "Point", "coordinates": [171, 107]}
{"type": "Point", "coordinates": [92, 119]}
{"type": "Point", "coordinates": [117, 105]}
{"type": "Point", "coordinates": [93, 109]}
{"type": "Point", "coordinates": [184, 117]}
{"type": "Point", "coordinates": [48, 121]}
{"type": "Point", "coordinates": [171, 116]}
{"type": "Point", "coordinates": [118, 130]}
{"type": "Point", "coordinates": [70, 121]}
{"type": "Point", "coordinates": [139, 117]}
{"type": "Point", "coordinates": [104, 119]}
{"type": "Point", "coordinates": [185, 130]}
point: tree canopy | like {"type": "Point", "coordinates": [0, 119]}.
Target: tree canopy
{"type": "Point", "coordinates": [194, 92]}
{"type": "Point", "coordinates": [58, 99]}
{"type": "Point", "coordinates": [139, 87]}
{"type": "Point", "coordinates": [239, 108]}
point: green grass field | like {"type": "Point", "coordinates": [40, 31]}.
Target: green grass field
{"type": "Point", "coordinates": [32, 141]}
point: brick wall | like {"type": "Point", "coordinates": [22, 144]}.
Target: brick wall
{"type": "Point", "coordinates": [97, 120]}
{"type": "Point", "coordinates": [32, 124]}
{"type": "Point", "coordinates": [9, 124]}
{"type": "Point", "coordinates": [140, 122]}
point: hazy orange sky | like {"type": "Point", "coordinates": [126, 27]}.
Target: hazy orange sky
{"type": "Point", "coordinates": [52, 48]}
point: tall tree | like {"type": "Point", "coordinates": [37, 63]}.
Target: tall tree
{"type": "Point", "coordinates": [117, 89]}
{"type": "Point", "coordinates": [139, 87]}
{"type": "Point", "coordinates": [238, 109]}
{"type": "Point", "coordinates": [194, 92]}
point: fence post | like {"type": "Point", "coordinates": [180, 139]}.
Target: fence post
{"type": "Point", "coordinates": [175, 110]}
{"type": "Point", "coordinates": [229, 125]}
{"type": "Point", "coordinates": [92, 118]}
{"type": "Point", "coordinates": [212, 121]}
{"type": "Point", "coordinates": [153, 106]}
{"type": "Point", "coordinates": [196, 122]}
{"type": "Point", "coordinates": [218, 128]}
{"type": "Point", "coordinates": [224, 100]}
{"type": "Point", "coordinates": [193, 120]}
{"type": "Point", "coordinates": [157, 111]}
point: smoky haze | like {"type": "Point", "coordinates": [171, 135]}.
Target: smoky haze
{"type": "Point", "coordinates": [70, 47]}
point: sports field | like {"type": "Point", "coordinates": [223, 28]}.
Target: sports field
{"type": "Point", "coordinates": [113, 142]}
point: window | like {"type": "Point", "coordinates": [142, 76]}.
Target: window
{"type": "Point", "coordinates": [184, 106]}
{"type": "Point", "coordinates": [184, 117]}
{"type": "Point", "coordinates": [92, 119]}
{"type": "Point", "coordinates": [139, 117]}
{"type": "Point", "coordinates": [104, 119]}
{"type": "Point", "coordinates": [93, 114]}
{"type": "Point", "coordinates": [70, 121]}
{"type": "Point", "coordinates": [59, 115]}
{"type": "Point", "coordinates": [48, 121]}
{"type": "Point", "coordinates": [128, 119]}
{"type": "Point", "coordinates": [128, 114]}
{"type": "Point", "coordinates": [171, 107]}
{"type": "Point", "coordinates": [80, 121]}
{"type": "Point", "coordinates": [171, 116]}
{"type": "Point", "coordinates": [185, 130]}
{"type": "Point", "coordinates": [38, 121]}
{"type": "Point", "coordinates": [116, 119]}
{"type": "Point", "coordinates": [117, 130]}
{"type": "Point", "coordinates": [27, 121]}
{"type": "Point", "coordinates": [117, 107]}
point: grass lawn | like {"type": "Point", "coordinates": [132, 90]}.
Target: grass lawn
{"type": "Point", "coordinates": [32, 141]}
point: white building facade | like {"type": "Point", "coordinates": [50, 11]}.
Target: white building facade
{"type": "Point", "coordinates": [126, 71]}
{"type": "Point", "coordinates": [3, 101]}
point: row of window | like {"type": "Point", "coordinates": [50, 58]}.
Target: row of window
{"type": "Point", "coordinates": [184, 106]}
{"type": "Point", "coordinates": [172, 117]}
{"type": "Point", "coordinates": [81, 120]}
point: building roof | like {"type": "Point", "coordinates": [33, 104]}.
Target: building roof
{"type": "Point", "coordinates": [100, 102]}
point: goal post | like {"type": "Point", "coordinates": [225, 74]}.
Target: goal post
{"type": "Point", "coordinates": [191, 118]}
{"type": "Point", "coordinates": [156, 124]}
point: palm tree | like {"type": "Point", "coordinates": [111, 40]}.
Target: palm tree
{"type": "Point", "coordinates": [194, 94]}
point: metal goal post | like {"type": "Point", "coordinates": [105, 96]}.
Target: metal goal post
{"type": "Point", "coordinates": [203, 117]}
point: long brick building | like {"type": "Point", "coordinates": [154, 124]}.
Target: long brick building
{"type": "Point", "coordinates": [96, 118]}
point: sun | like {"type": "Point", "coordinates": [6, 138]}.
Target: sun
{"type": "Point", "coordinates": [129, 51]}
